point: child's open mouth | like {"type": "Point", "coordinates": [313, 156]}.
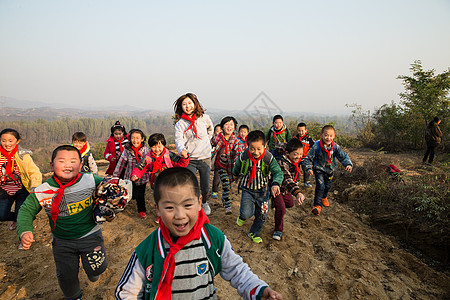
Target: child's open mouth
{"type": "Point", "coordinates": [181, 227]}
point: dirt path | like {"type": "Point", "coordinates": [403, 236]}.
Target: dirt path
{"type": "Point", "coordinates": [334, 256]}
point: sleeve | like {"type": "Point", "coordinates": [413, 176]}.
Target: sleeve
{"type": "Point", "coordinates": [32, 171]}
{"type": "Point", "coordinates": [179, 137]}
{"type": "Point", "coordinates": [309, 158]}
{"type": "Point", "coordinates": [342, 157]}
{"type": "Point", "coordinates": [179, 161]}
{"type": "Point", "coordinates": [238, 148]}
{"type": "Point", "coordinates": [142, 166]}
{"type": "Point", "coordinates": [268, 136]}
{"type": "Point", "coordinates": [218, 147]}
{"type": "Point", "coordinates": [288, 136]}
{"type": "Point", "coordinates": [277, 174]}
{"type": "Point", "coordinates": [237, 166]}
{"type": "Point", "coordinates": [27, 213]}
{"type": "Point", "coordinates": [131, 285]}
{"type": "Point", "coordinates": [107, 154]}
{"type": "Point", "coordinates": [209, 127]}
{"type": "Point", "coordinates": [291, 185]}
{"type": "Point", "coordinates": [92, 164]}
{"type": "Point", "coordinates": [97, 179]}
{"type": "Point", "coordinates": [121, 164]}
{"type": "Point", "coordinates": [239, 274]}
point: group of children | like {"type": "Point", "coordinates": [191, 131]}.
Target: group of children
{"type": "Point", "coordinates": [180, 259]}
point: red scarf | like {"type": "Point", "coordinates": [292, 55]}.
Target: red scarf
{"type": "Point", "coordinates": [165, 285]}
{"type": "Point", "coordinates": [277, 133]}
{"type": "Point", "coordinates": [301, 138]}
{"type": "Point", "coordinates": [297, 168]}
{"type": "Point", "coordinates": [54, 212]}
{"type": "Point", "coordinates": [225, 142]}
{"type": "Point", "coordinates": [10, 161]}
{"type": "Point", "coordinates": [242, 140]}
{"type": "Point", "coordinates": [120, 144]}
{"type": "Point", "coordinates": [157, 164]}
{"type": "Point", "coordinates": [253, 171]}
{"type": "Point", "coordinates": [136, 152]}
{"type": "Point", "coordinates": [327, 151]}
{"type": "Point", "coordinates": [192, 125]}
{"type": "Point", "coordinates": [83, 150]}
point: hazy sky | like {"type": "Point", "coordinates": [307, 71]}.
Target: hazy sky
{"type": "Point", "coordinates": [312, 56]}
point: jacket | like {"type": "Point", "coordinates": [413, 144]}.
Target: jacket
{"type": "Point", "coordinates": [198, 148]}
{"type": "Point", "coordinates": [318, 159]}
{"type": "Point", "coordinates": [30, 175]}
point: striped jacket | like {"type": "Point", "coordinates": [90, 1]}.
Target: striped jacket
{"type": "Point", "coordinates": [227, 153]}
{"type": "Point", "coordinates": [128, 162]}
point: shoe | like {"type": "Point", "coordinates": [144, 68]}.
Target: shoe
{"type": "Point", "coordinates": [255, 238]}
{"type": "Point", "coordinates": [93, 278]}
{"type": "Point", "coordinates": [12, 225]}
{"type": "Point", "coordinates": [316, 210]}
{"type": "Point", "coordinates": [277, 235]}
{"type": "Point", "coordinates": [214, 195]}
{"type": "Point", "coordinates": [142, 215]}
{"type": "Point", "coordinates": [228, 210]}
{"type": "Point", "coordinates": [240, 222]}
{"type": "Point", "coordinates": [325, 202]}
{"type": "Point", "coordinates": [206, 208]}
{"type": "Point", "coordinates": [308, 185]}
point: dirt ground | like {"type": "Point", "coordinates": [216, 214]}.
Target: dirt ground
{"type": "Point", "coordinates": [336, 255]}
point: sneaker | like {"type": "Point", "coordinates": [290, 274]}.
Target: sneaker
{"type": "Point", "coordinates": [206, 208]}
{"type": "Point", "coordinates": [308, 184]}
{"type": "Point", "coordinates": [142, 215]}
{"type": "Point", "coordinates": [277, 235]}
{"type": "Point", "coordinates": [228, 210]}
{"type": "Point", "coordinates": [240, 222]}
{"type": "Point", "coordinates": [255, 238]}
{"type": "Point", "coordinates": [214, 195]}
{"type": "Point", "coordinates": [316, 210]}
{"type": "Point", "coordinates": [325, 202]}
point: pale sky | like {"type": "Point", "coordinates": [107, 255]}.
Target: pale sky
{"type": "Point", "coordinates": [309, 56]}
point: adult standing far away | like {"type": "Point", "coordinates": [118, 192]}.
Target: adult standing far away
{"type": "Point", "coordinates": [433, 136]}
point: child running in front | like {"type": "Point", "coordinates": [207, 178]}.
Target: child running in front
{"type": "Point", "coordinates": [18, 175]}
{"type": "Point", "coordinates": [115, 146]}
{"type": "Point", "coordinates": [193, 133]}
{"type": "Point", "coordinates": [254, 166]}
{"type": "Point", "coordinates": [160, 158]}
{"type": "Point", "coordinates": [321, 161]}
{"type": "Point", "coordinates": [180, 259]}
{"type": "Point", "coordinates": [277, 133]}
{"type": "Point", "coordinates": [308, 142]}
{"type": "Point", "coordinates": [80, 142]}
{"type": "Point", "coordinates": [290, 165]}
{"type": "Point", "coordinates": [226, 151]}
{"type": "Point", "coordinates": [134, 151]}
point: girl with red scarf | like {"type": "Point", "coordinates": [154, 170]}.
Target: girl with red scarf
{"type": "Point", "coordinates": [18, 175]}
{"type": "Point", "coordinates": [115, 146]}
{"type": "Point", "coordinates": [134, 151]}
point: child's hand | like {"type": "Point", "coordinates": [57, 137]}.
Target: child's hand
{"type": "Point", "coordinates": [348, 168]}
{"type": "Point", "coordinates": [27, 239]}
{"type": "Point", "coordinates": [310, 172]}
{"type": "Point", "coordinates": [275, 189]}
{"type": "Point", "coordinates": [113, 159]}
{"type": "Point", "coordinates": [184, 154]}
{"type": "Point", "coordinates": [271, 294]}
{"type": "Point", "coordinates": [300, 198]}
{"type": "Point", "coordinates": [134, 178]}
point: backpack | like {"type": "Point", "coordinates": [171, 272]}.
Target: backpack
{"type": "Point", "coordinates": [264, 165]}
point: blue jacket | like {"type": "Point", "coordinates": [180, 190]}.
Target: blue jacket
{"type": "Point", "coordinates": [318, 159]}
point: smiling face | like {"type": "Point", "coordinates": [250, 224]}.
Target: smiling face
{"type": "Point", "coordinates": [228, 128]}
{"type": "Point", "coordinates": [78, 144]}
{"type": "Point", "coordinates": [278, 124]}
{"type": "Point", "coordinates": [118, 134]}
{"type": "Point", "coordinates": [136, 139]}
{"type": "Point", "coordinates": [256, 148]}
{"type": "Point", "coordinates": [157, 149]}
{"type": "Point", "coordinates": [188, 106]}
{"type": "Point", "coordinates": [9, 142]}
{"type": "Point", "coordinates": [328, 136]}
{"type": "Point", "coordinates": [178, 208]}
{"type": "Point", "coordinates": [301, 131]}
{"type": "Point", "coordinates": [243, 133]}
{"type": "Point", "coordinates": [295, 155]}
{"type": "Point", "coordinates": [66, 165]}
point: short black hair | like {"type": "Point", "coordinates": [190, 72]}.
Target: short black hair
{"type": "Point", "coordinates": [65, 148]}
{"type": "Point", "coordinates": [155, 138]}
{"type": "Point", "coordinates": [243, 126]}
{"type": "Point", "coordinates": [301, 124]}
{"type": "Point", "coordinates": [11, 131]}
{"type": "Point", "coordinates": [79, 136]}
{"type": "Point", "coordinates": [173, 177]}
{"type": "Point", "coordinates": [293, 144]}
{"type": "Point", "coordinates": [228, 119]}
{"type": "Point", "coordinates": [256, 135]}
{"type": "Point", "coordinates": [327, 127]}
{"type": "Point", "coordinates": [276, 117]}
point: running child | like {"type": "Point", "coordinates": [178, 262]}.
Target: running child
{"type": "Point", "coordinates": [193, 132]}
{"type": "Point", "coordinates": [290, 165]}
{"type": "Point", "coordinates": [180, 259]}
{"type": "Point", "coordinates": [277, 133]}
{"type": "Point", "coordinates": [134, 151]}
{"type": "Point", "coordinates": [308, 142]}
{"type": "Point", "coordinates": [227, 150]}
{"type": "Point", "coordinates": [216, 178]}
{"type": "Point", "coordinates": [115, 146]}
{"type": "Point", "coordinates": [242, 137]}
{"type": "Point", "coordinates": [321, 161]}
{"type": "Point", "coordinates": [160, 158]}
{"type": "Point", "coordinates": [80, 142]}
{"type": "Point", "coordinates": [67, 200]}
{"type": "Point", "coordinates": [18, 175]}
{"type": "Point", "coordinates": [254, 166]}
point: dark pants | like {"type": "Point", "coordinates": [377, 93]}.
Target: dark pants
{"type": "Point", "coordinates": [281, 202]}
{"type": "Point", "coordinates": [139, 195]}
{"type": "Point", "coordinates": [255, 203]}
{"type": "Point", "coordinates": [67, 254]}
{"type": "Point", "coordinates": [216, 181]}
{"type": "Point", "coordinates": [6, 202]}
{"type": "Point", "coordinates": [323, 185]}
{"type": "Point", "coordinates": [430, 153]}
{"type": "Point", "coordinates": [204, 168]}
{"type": "Point", "coordinates": [305, 174]}
{"type": "Point", "coordinates": [225, 179]}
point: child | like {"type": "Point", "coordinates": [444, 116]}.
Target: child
{"type": "Point", "coordinates": [308, 142]}
{"type": "Point", "coordinates": [193, 132]}
{"type": "Point", "coordinates": [87, 159]}
{"type": "Point", "coordinates": [180, 259]}
{"type": "Point", "coordinates": [255, 165]}
{"type": "Point", "coordinates": [278, 133]}
{"type": "Point", "coordinates": [159, 159]}
{"type": "Point", "coordinates": [115, 146]}
{"type": "Point", "coordinates": [290, 165]}
{"type": "Point", "coordinates": [216, 178]}
{"type": "Point", "coordinates": [18, 175]}
{"type": "Point", "coordinates": [134, 151]}
{"type": "Point", "coordinates": [228, 148]}
{"type": "Point", "coordinates": [67, 200]}
{"type": "Point", "coordinates": [321, 161]}
{"type": "Point", "coordinates": [242, 137]}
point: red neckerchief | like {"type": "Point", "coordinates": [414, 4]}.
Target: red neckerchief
{"type": "Point", "coordinates": [277, 133]}
{"type": "Point", "coordinates": [10, 161]}
{"type": "Point", "coordinates": [301, 138]}
{"type": "Point", "coordinates": [54, 211]}
{"type": "Point", "coordinates": [165, 285]}
{"type": "Point", "coordinates": [253, 171]}
{"type": "Point", "coordinates": [192, 125]}
{"type": "Point", "coordinates": [222, 137]}
{"type": "Point", "coordinates": [157, 164]}
{"type": "Point", "coordinates": [83, 150]}
{"type": "Point", "coordinates": [242, 140]}
{"type": "Point", "coordinates": [297, 168]}
{"type": "Point", "coordinates": [327, 151]}
{"type": "Point", "coordinates": [120, 143]}
{"type": "Point", "coordinates": [136, 152]}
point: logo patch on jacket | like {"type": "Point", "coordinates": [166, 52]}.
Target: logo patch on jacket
{"type": "Point", "coordinates": [202, 268]}
{"type": "Point", "coordinates": [149, 273]}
